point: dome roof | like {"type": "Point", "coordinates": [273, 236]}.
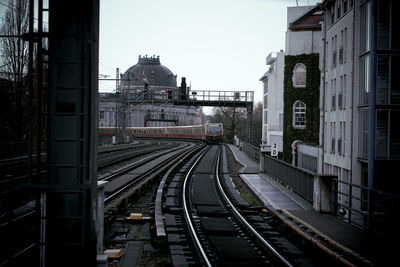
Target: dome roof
{"type": "Point", "coordinates": [150, 69]}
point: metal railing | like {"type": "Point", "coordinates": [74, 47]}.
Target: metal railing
{"type": "Point", "coordinates": [208, 96]}
{"type": "Point", "coordinates": [299, 180]}
{"type": "Point", "coordinates": [369, 209]}
{"type": "Point", "coordinates": [251, 151]}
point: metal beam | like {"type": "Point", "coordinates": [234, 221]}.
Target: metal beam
{"type": "Point", "coordinates": [70, 214]}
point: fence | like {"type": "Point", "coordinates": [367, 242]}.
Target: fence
{"type": "Point", "coordinates": [251, 151]}
{"type": "Point", "coordinates": [299, 180]}
{"type": "Point", "coordinates": [369, 209]}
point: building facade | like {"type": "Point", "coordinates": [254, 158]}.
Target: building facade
{"type": "Point", "coordinates": [145, 99]}
{"type": "Point", "coordinates": [361, 143]}
{"type": "Point", "coordinates": [337, 91]}
{"type": "Point", "coordinates": [302, 86]}
{"type": "Point", "coordinates": [376, 145]}
{"type": "Point", "coordinates": [272, 117]}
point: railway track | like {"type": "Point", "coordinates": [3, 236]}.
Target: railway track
{"type": "Point", "coordinates": [20, 207]}
{"type": "Point", "coordinates": [109, 156]}
{"type": "Point", "coordinates": [125, 181]}
{"type": "Point", "coordinates": [204, 220]}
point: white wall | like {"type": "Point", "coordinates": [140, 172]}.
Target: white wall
{"type": "Point", "coordinates": [341, 73]}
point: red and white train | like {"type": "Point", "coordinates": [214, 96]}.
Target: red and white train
{"type": "Point", "coordinates": [207, 132]}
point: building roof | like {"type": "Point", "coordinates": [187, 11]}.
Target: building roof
{"type": "Point", "coordinates": [148, 69]}
{"type": "Point", "coordinates": [309, 20]}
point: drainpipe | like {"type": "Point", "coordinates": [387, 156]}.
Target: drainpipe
{"type": "Point", "coordinates": [322, 124]}
{"type": "Point", "coordinates": [353, 110]}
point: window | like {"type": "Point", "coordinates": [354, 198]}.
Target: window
{"type": "Point", "coordinates": [394, 135]}
{"type": "Point", "coordinates": [363, 133]}
{"type": "Point", "coordinates": [265, 117]}
{"type": "Point", "coordinates": [333, 103]}
{"type": "Point", "coordinates": [345, 45]}
{"type": "Point", "coordinates": [344, 91]}
{"type": "Point", "coordinates": [334, 51]}
{"type": "Point", "coordinates": [382, 83]}
{"type": "Point", "coordinates": [340, 94]}
{"type": "Point", "coordinates": [365, 32]}
{"type": "Point", "coordinates": [345, 6]}
{"type": "Point", "coordinates": [364, 79]}
{"type": "Point", "coordinates": [382, 134]}
{"type": "Point", "coordinates": [326, 136]}
{"type": "Point", "coordinates": [339, 141]}
{"type": "Point", "coordinates": [333, 140]}
{"type": "Point", "coordinates": [299, 75]}
{"type": "Point", "coordinates": [299, 114]}
{"type": "Point", "coordinates": [344, 138]}
{"type": "Point", "coordinates": [101, 115]}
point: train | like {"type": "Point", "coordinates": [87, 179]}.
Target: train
{"type": "Point", "coordinates": [210, 132]}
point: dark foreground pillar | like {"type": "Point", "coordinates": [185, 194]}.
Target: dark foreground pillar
{"type": "Point", "coordinates": [68, 224]}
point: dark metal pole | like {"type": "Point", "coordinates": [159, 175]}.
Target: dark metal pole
{"type": "Point", "coordinates": [71, 194]}
{"type": "Point", "coordinates": [372, 109]}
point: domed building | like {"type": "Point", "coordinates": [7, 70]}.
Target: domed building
{"type": "Point", "coordinates": [144, 91]}
{"type": "Point", "coordinates": [149, 69]}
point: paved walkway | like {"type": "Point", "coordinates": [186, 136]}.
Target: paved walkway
{"type": "Point", "coordinates": [359, 245]}
{"type": "Point", "coordinates": [249, 166]}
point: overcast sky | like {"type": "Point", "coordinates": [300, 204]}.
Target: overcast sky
{"type": "Point", "coordinates": [215, 44]}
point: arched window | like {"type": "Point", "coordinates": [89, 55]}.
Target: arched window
{"type": "Point", "coordinates": [299, 114]}
{"type": "Point", "coordinates": [299, 75]}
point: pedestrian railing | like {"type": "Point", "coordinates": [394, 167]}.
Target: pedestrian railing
{"type": "Point", "coordinates": [299, 180]}
{"type": "Point", "coordinates": [369, 209]}
{"type": "Point", "coordinates": [251, 151]}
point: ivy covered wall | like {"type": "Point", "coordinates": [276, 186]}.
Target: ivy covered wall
{"type": "Point", "coordinates": [309, 95]}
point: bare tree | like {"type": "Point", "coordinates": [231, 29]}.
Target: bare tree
{"type": "Point", "coordinates": [234, 120]}
{"type": "Point", "coordinates": [257, 124]}
{"type": "Point", "coordinates": [14, 61]}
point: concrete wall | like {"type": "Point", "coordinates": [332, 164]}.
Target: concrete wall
{"type": "Point", "coordinates": [303, 42]}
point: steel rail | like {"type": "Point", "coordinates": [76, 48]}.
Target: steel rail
{"type": "Point", "coordinates": [154, 170]}
{"type": "Point", "coordinates": [244, 221]}
{"type": "Point", "coordinates": [160, 230]}
{"type": "Point", "coordinates": [136, 164]}
{"type": "Point", "coordinates": [186, 212]}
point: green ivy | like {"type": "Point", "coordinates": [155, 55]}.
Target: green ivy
{"type": "Point", "coordinates": [309, 95]}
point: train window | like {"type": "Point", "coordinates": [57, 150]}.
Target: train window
{"type": "Point", "coordinates": [214, 129]}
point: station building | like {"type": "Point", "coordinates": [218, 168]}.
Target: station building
{"type": "Point", "coordinates": [145, 98]}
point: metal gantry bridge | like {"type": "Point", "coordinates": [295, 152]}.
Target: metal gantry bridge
{"type": "Point", "coordinates": [211, 98]}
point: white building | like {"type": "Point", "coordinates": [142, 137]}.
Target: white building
{"type": "Point", "coordinates": [272, 121]}
{"type": "Point", "coordinates": [303, 37]}
{"type": "Point", "coordinates": [337, 92]}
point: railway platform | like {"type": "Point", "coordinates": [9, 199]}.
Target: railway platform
{"type": "Point", "coordinates": [351, 245]}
